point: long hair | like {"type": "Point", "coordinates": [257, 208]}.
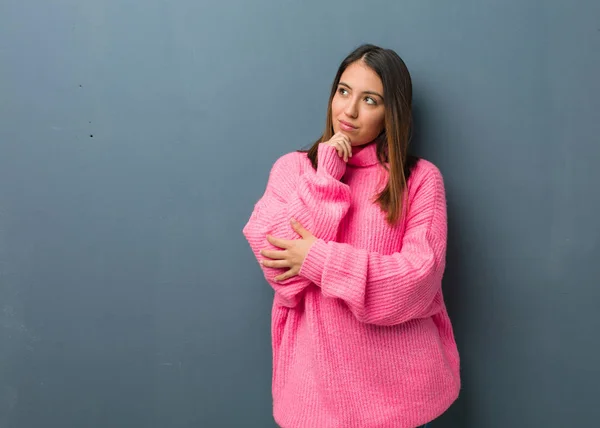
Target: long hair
{"type": "Point", "coordinates": [392, 143]}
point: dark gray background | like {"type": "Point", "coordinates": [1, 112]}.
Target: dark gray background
{"type": "Point", "coordinates": [135, 137]}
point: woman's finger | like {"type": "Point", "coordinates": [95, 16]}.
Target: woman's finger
{"type": "Point", "coordinates": [275, 255]}
{"type": "Point", "coordinates": [277, 242]}
{"type": "Point", "coordinates": [333, 142]}
{"type": "Point", "coordinates": [339, 149]}
{"type": "Point", "coordinates": [342, 145]}
{"type": "Point", "coordinates": [290, 273]}
{"type": "Point", "coordinates": [348, 145]}
{"type": "Point", "coordinates": [276, 263]}
{"type": "Point", "coordinates": [346, 151]}
{"type": "Point", "coordinates": [345, 142]}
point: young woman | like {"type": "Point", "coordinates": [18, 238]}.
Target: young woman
{"type": "Point", "coordinates": [351, 235]}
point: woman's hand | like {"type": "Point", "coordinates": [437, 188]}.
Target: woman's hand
{"type": "Point", "coordinates": [293, 254]}
{"type": "Point", "coordinates": [342, 145]}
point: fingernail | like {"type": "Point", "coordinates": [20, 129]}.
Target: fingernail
{"type": "Point", "coordinates": [294, 221]}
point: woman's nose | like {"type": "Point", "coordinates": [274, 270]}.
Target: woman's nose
{"type": "Point", "coordinates": [351, 109]}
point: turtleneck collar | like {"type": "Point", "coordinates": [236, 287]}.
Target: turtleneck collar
{"type": "Point", "coordinates": [363, 156]}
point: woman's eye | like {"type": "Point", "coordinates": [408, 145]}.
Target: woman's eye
{"type": "Point", "coordinates": [343, 91]}
{"type": "Point", "coordinates": [371, 101]}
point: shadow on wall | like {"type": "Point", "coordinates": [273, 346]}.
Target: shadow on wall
{"type": "Point", "coordinates": [458, 415]}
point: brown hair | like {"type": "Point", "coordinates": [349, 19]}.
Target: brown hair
{"type": "Point", "coordinates": [392, 143]}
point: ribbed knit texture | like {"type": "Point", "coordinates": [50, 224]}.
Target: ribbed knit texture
{"type": "Point", "coordinates": [361, 337]}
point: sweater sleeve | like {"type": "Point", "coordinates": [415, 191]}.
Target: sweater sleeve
{"type": "Point", "coordinates": [317, 199]}
{"type": "Point", "coordinates": [394, 288]}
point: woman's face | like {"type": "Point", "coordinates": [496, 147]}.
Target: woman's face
{"type": "Point", "coordinates": [357, 108]}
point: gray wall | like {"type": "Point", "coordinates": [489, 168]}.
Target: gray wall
{"type": "Point", "coordinates": [135, 137]}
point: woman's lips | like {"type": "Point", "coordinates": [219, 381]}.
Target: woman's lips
{"type": "Point", "coordinates": [345, 126]}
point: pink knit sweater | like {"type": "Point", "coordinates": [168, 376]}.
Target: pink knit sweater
{"type": "Point", "coordinates": [361, 337]}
